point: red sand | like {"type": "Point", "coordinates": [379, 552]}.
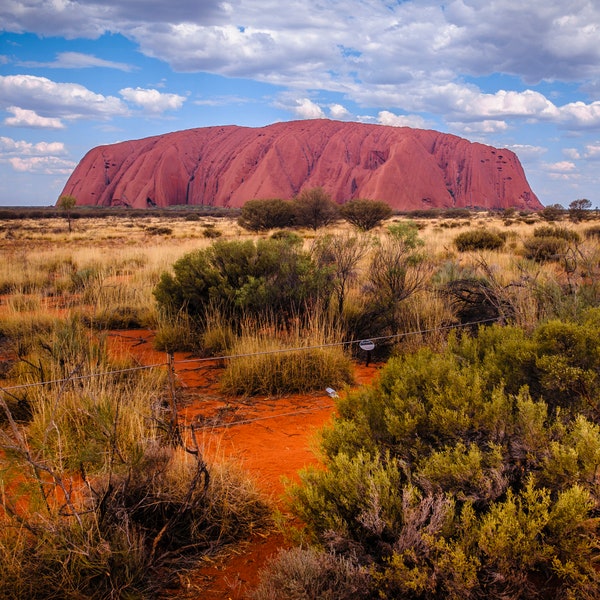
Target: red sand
{"type": "Point", "coordinates": [271, 437]}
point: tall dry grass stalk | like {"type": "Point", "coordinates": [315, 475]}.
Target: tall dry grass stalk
{"type": "Point", "coordinates": [275, 360]}
{"type": "Point", "coordinates": [94, 494]}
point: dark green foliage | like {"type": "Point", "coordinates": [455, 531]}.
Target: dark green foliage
{"type": "Point", "coordinates": [365, 214]}
{"type": "Point", "coordinates": [563, 233]}
{"type": "Point", "coordinates": [469, 473]}
{"type": "Point", "coordinates": [579, 209]}
{"type": "Point", "coordinates": [314, 208]}
{"type": "Point", "coordinates": [550, 243]}
{"type": "Point", "coordinates": [544, 249]}
{"type": "Point", "coordinates": [264, 214]}
{"type": "Point", "coordinates": [478, 239]}
{"type": "Point", "coordinates": [273, 275]}
{"type": "Point", "coordinates": [552, 212]}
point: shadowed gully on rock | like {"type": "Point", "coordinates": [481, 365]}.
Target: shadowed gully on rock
{"type": "Point", "coordinates": [227, 166]}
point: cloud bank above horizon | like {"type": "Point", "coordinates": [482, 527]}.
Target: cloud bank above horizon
{"type": "Point", "coordinates": [74, 75]}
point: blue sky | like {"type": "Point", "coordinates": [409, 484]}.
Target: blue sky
{"type": "Point", "coordinates": [77, 74]}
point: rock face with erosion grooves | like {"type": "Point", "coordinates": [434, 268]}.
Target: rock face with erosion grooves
{"type": "Point", "coordinates": [226, 166]}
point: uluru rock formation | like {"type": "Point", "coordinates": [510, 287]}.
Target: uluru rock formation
{"type": "Point", "coordinates": [227, 166]}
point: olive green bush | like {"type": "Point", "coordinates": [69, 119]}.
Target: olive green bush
{"type": "Point", "coordinates": [244, 278]}
{"type": "Point", "coordinates": [550, 243]}
{"type": "Point", "coordinates": [365, 214]}
{"type": "Point", "coordinates": [564, 233]}
{"type": "Point", "coordinates": [265, 214]}
{"type": "Point", "coordinates": [468, 472]}
{"type": "Point", "coordinates": [544, 249]}
{"type": "Point", "coordinates": [314, 208]}
{"type": "Point", "coordinates": [479, 239]}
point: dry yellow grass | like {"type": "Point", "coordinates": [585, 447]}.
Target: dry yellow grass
{"type": "Point", "coordinates": [117, 261]}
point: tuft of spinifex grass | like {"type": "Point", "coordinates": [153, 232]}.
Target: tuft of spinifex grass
{"type": "Point", "coordinates": [265, 362]}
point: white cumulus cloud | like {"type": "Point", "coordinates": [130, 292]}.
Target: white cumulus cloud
{"type": "Point", "coordinates": [42, 157]}
{"type": "Point", "coordinates": [385, 117]}
{"type": "Point", "coordinates": [29, 118]}
{"type": "Point", "coordinates": [152, 100]}
{"type": "Point", "coordinates": [337, 111]}
{"type": "Point", "coordinates": [307, 109]}
{"type": "Point", "coordinates": [592, 151]}
{"type": "Point", "coordinates": [57, 100]}
{"type": "Point", "coordinates": [563, 166]}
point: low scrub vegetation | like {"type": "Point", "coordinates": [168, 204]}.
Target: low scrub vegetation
{"type": "Point", "coordinates": [102, 490]}
{"type": "Point", "coordinates": [479, 239]}
{"type": "Point", "coordinates": [365, 214]}
{"type": "Point", "coordinates": [468, 470]}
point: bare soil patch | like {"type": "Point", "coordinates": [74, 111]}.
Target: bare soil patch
{"type": "Point", "coordinates": [271, 438]}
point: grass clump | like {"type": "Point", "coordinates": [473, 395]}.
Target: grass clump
{"type": "Point", "coordinates": [304, 573]}
{"type": "Point", "coordinates": [479, 239]}
{"type": "Point", "coordinates": [280, 371]}
{"type": "Point", "coordinates": [270, 361]}
{"type": "Point", "coordinates": [103, 493]}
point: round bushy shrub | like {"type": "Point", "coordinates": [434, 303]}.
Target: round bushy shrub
{"type": "Point", "coordinates": [273, 276]}
{"type": "Point", "coordinates": [365, 214]}
{"type": "Point", "coordinates": [563, 233]}
{"type": "Point", "coordinates": [479, 239]}
{"type": "Point", "coordinates": [265, 214]}
{"type": "Point", "coordinates": [544, 249]}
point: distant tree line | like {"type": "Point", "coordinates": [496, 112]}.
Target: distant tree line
{"type": "Point", "coordinates": [313, 209]}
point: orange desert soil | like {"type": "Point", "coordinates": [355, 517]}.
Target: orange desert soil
{"type": "Point", "coordinates": [272, 438]}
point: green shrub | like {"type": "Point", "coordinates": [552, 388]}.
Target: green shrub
{"type": "Point", "coordinates": [544, 249]}
{"type": "Point", "coordinates": [365, 214]}
{"type": "Point", "coordinates": [553, 212]}
{"type": "Point", "coordinates": [264, 214]}
{"type": "Point", "coordinates": [314, 208]}
{"type": "Point", "coordinates": [274, 276]}
{"type": "Point", "coordinates": [478, 239]}
{"type": "Point", "coordinates": [563, 233]}
{"type": "Point", "coordinates": [468, 472]}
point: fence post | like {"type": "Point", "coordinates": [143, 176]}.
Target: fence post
{"type": "Point", "coordinates": [174, 432]}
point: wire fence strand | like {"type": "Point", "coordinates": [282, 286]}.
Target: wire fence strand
{"type": "Point", "coordinates": [170, 362]}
